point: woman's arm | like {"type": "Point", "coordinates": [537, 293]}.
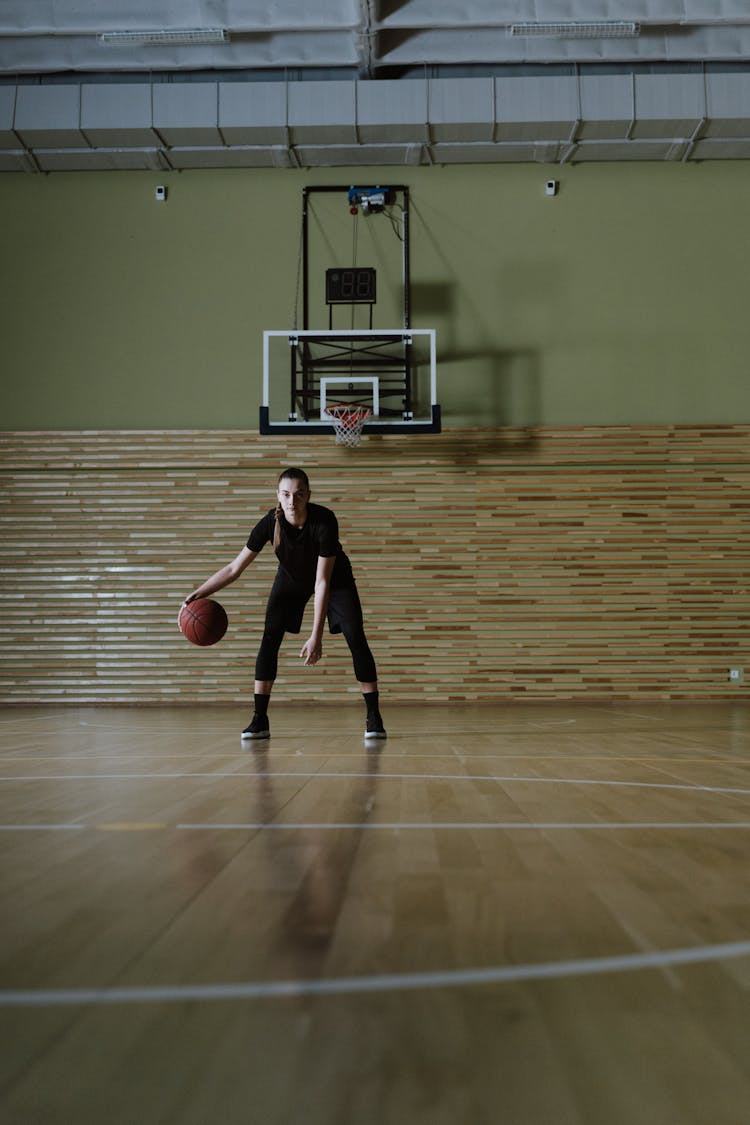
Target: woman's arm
{"type": "Point", "coordinates": [312, 650]}
{"type": "Point", "coordinates": [224, 577]}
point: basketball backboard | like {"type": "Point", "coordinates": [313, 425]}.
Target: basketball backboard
{"type": "Point", "coordinates": [394, 373]}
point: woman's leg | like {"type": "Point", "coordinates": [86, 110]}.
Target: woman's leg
{"type": "Point", "coordinates": [362, 658]}
{"type": "Point", "coordinates": [367, 676]}
{"type": "Point", "coordinates": [266, 666]}
{"type": "Point", "coordinates": [267, 660]}
{"type": "Point", "coordinates": [345, 615]}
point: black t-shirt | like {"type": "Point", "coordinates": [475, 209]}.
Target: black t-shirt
{"type": "Point", "coordinates": [301, 547]}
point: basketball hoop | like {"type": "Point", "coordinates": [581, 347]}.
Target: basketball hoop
{"type": "Point", "coordinates": [348, 420]}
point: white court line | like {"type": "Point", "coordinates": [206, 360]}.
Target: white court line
{"type": "Point", "coordinates": [311, 775]}
{"type": "Point", "coordinates": [40, 827]}
{"type": "Point", "coordinates": [554, 723]}
{"type": "Point", "coordinates": [506, 826]}
{"type": "Point", "coordinates": [118, 729]}
{"type": "Point", "coordinates": [387, 982]}
{"type": "Point", "coordinates": [146, 776]}
{"type": "Point", "coordinates": [632, 714]}
{"type": "Point", "coordinates": [705, 759]}
{"type": "Point", "coordinates": [395, 826]}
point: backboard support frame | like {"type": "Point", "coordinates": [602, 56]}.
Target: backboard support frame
{"type": "Point", "coordinates": [382, 354]}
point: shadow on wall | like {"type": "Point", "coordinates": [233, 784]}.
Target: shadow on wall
{"type": "Point", "coordinates": [478, 386]}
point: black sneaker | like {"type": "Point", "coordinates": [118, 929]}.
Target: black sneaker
{"type": "Point", "coordinates": [375, 728]}
{"type": "Point", "coordinates": [258, 728]}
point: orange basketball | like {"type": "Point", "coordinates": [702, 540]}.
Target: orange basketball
{"type": "Point", "coordinates": [203, 622]}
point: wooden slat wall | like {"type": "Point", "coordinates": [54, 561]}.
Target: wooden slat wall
{"type": "Point", "coordinates": [493, 564]}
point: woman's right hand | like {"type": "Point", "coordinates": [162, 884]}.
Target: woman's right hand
{"type": "Point", "coordinates": [190, 598]}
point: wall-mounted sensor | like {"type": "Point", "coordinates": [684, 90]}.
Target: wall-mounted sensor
{"type": "Point", "coordinates": [161, 193]}
{"type": "Point", "coordinates": [551, 187]}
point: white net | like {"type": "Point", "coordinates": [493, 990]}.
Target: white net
{"type": "Point", "coordinates": [348, 421]}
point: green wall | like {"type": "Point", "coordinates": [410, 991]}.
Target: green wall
{"type": "Point", "coordinates": [622, 300]}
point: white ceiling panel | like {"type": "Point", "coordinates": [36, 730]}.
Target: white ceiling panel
{"type": "Point", "coordinates": [727, 105]}
{"type": "Point", "coordinates": [536, 109]}
{"type": "Point", "coordinates": [664, 108]}
{"type": "Point", "coordinates": [62, 16]}
{"type": "Point", "coordinates": [461, 109]}
{"type": "Point", "coordinates": [8, 138]}
{"type": "Point", "coordinates": [493, 46]}
{"type": "Point", "coordinates": [48, 36]}
{"type": "Point", "coordinates": [85, 54]}
{"type": "Point", "coordinates": [253, 113]}
{"type": "Point", "coordinates": [117, 116]}
{"type": "Point", "coordinates": [322, 113]}
{"type": "Point", "coordinates": [607, 107]}
{"type": "Point", "coordinates": [372, 81]}
{"type": "Point", "coordinates": [187, 113]}
{"type": "Point", "coordinates": [389, 112]}
{"type": "Point", "coordinates": [49, 116]}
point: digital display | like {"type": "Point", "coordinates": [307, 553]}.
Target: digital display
{"type": "Point", "coordinates": [354, 286]}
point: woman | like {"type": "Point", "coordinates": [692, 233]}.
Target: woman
{"type": "Point", "coordinates": [311, 564]}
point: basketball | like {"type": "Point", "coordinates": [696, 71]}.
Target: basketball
{"type": "Point", "coordinates": [203, 622]}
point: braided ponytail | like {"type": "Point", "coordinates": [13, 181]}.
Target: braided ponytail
{"type": "Point", "coordinates": [277, 528]}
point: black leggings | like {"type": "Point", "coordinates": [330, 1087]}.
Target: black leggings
{"type": "Point", "coordinates": [267, 662]}
{"type": "Point", "coordinates": [284, 612]}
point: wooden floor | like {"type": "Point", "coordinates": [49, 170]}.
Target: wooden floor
{"type": "Point", "coordinates": [521, 915]}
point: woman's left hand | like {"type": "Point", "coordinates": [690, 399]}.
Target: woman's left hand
{"type": "Point", "coordinates": [312, 651]}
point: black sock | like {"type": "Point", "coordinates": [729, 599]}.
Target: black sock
{"type": "Point", "coordinates": [261, 704]}
{"type": "Point", "coordinates": [371, 702]}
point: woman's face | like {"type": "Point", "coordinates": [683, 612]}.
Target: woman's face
{"type": "Point", "coordinates": [293, 496]}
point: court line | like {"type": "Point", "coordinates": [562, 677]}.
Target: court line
{"type": "Point", "coordinates": [526, 757]}
{"type": "Point", "coordinates": [386, 982]}
{"type": "Point", "coordinates": [506, 826]}
{"type": "Point", "coordinates": [395, 826]}
{"type": "Point", "coordinates": [151, 776]}
{"type": "Point", "coordinates": [41, 827]}
{"type": "Point", "coordinates": [328, 774]}
{"type": "Point", "coordinates": [632, 714]}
